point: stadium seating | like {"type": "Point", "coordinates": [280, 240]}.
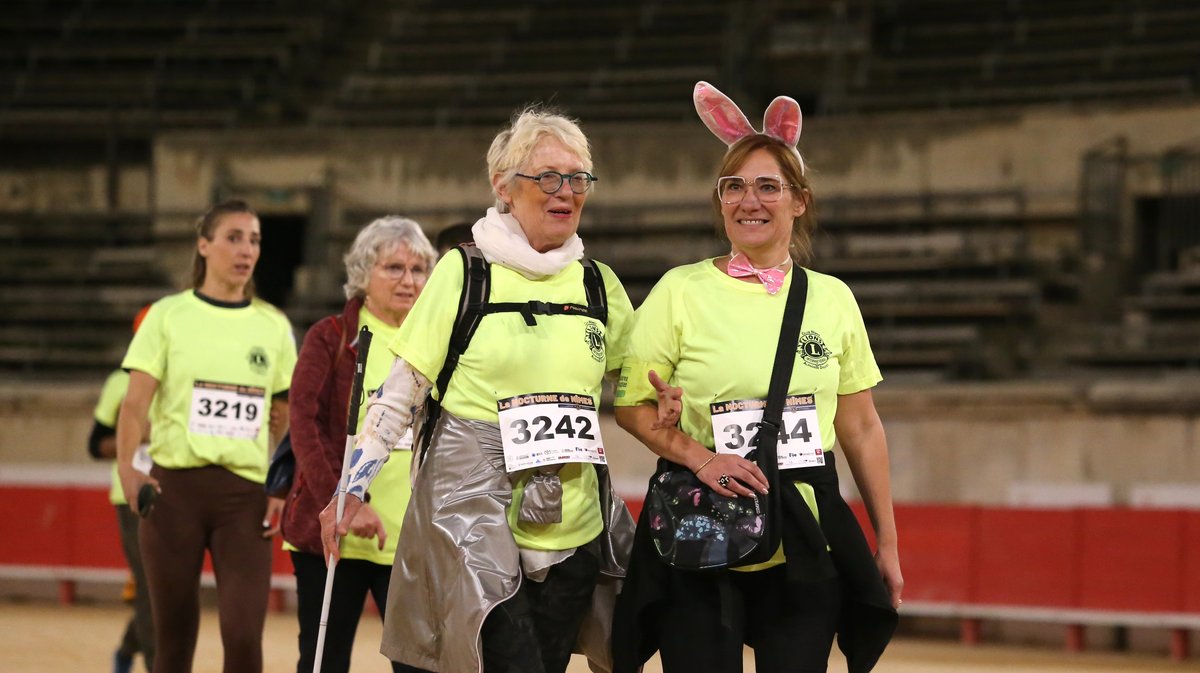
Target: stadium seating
{"type": "Point", "coordinates": [476, 63]}
{"type": "Point", "coordinates": [139, 66]}
{"type": "Point", "coordinates": [1159, 328]}
{"type": "Point", "coordinates": [974, 284]}
{"type": "Point", "coordinates": [946, 282]}
{"type": "Point", "coordinates": [950, 284]}
{"type": "Point", "coordinates": [941, 54]}
{"type": "Point", "coordinates": [69, 289]}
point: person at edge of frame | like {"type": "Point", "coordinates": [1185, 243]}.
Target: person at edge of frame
{"type": "Point", "coordinates": [138, 636]}
{"type": "Point", "coordinates": [453, 236]}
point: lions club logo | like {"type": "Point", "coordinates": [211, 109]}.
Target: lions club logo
{"type": "Point", "coordinates": [258, 360]}
{"type": "Point", "coordinates": [812, 350]}
{"type": "Point", "coordinates": [595, 341]}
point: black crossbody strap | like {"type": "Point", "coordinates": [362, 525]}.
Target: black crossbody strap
{"type": "Point", "coordinates": [781, 373]}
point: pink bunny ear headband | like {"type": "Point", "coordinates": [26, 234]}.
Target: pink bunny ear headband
{"type": "Point", "coordinates": [781, 121]}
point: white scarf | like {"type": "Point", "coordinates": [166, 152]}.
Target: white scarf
{"type": "Point", "coordinates": [502, 241]}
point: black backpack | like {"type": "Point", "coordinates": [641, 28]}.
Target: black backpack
{"type": "Point", "coordinates": [473, 305]}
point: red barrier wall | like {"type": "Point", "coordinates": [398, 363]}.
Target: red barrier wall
{"type": "Point", "coordinates": [937, 550]}
{"type": "Point", "coordinates": [1132, 560]}
{"type": "Point", "coordinates": [91, 530]}
{"type": "Point", "coordinates": [1026, 557]}
{"type": "Point", "coordinates": [39, 523]}
{"type": "Point", "coordinates": [1191, 562]}
{"type": "Point", "coordinates": [71, 527]}
{"type": "Point", "coordinates": [1103, 559]}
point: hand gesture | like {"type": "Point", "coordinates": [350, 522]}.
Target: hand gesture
{"type": "Point", "coordinates": [367, 524]}
{"type": "Point", "coordinates": [670, 402]}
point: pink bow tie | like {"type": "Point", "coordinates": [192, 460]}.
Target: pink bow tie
{"type": "Point", "coordinates": [772, 278]}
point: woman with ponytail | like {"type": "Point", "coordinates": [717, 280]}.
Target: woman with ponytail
{"type": "Point", "coordinates": [210, 370]}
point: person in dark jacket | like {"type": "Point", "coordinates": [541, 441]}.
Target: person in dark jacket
{"type": "Point", "coordinates": [386, 270]}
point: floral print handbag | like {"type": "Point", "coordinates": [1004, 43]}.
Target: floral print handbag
{"type": "Point", "coordinates": [694, 528]}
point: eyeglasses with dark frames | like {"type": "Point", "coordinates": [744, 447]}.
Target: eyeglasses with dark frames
{"type": "Point", "coordinates": [552, 181]}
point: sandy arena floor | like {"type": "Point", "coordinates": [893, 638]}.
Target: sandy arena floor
{"type": "Point", "coordinates": [42, 637]}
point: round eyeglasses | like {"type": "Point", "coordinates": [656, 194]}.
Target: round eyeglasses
{"type": "Point", "coordinates": [397, 271]}
{"type": "Point", "coordinates": [732, 189]}
{"type": "Point", "coordinates": [552, 181]}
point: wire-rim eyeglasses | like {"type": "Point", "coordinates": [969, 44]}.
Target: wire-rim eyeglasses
{"type": "Point", "coordinates": [732, 189]}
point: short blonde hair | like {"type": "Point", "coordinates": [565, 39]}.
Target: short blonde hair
{"type": "Point", "coordinates": [513, 146]}
{"type": "Point", "coordinates": [380, 237]}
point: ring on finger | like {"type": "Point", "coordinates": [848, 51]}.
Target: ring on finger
{"type": "Point", "coordinates": [723, 480]}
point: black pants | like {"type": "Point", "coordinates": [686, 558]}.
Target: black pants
{"type": "Point", "coordinates": [791, 627]}
{"type": "Point", "coordinates": [353, 580]}
{"type": "Point", "coordinates": [139, 633]}
{"type": "Point", "coordinates": [535, 630]}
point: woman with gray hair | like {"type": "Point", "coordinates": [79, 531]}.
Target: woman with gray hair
{"type": "Point", "coordinates": [514, 541]}
{"type": "Point", "coordinates": [386, 269]}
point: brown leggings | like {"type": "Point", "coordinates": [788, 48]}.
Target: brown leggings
{"type": "Point", "coordinates": [207, 508]}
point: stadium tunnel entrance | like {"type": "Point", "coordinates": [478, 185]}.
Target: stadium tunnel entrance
{"type": "Point", "coordinates": [282, 253]}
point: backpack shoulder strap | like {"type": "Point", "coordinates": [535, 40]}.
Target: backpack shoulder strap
{"type": "Point", "coordinates": [597, 306]}
{"type": "Point", "coordinates": [477, 282]}
{"type": "Point", "coordinates": [473, 305]}
{"type": "Point", "coordinates": [593, 285]}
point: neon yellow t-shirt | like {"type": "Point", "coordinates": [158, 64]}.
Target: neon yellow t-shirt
{"type": "Point", "coordinates": [108, 407]}
{"type": "Point", "coordinates": [217, 368]}
{"type": "Point", "coordinates": [507, 358]}
{"type": "Point", "coordinates": [715, 336]}
{"type": "Point", "coordinates": [390, 490]}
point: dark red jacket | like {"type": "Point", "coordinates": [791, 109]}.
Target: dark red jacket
{"type": "Point", "coordinates": [319, 401]}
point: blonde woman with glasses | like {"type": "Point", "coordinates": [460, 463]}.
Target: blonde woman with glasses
{"type": "Point", "coordinates": [514, 539]}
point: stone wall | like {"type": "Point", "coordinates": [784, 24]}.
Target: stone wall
{"type": "Point", "coordinates": [960, 443]}
{"type": "Point", "coordinates": [1037, 151]}
{"type": "Point", "coordinates": [948, 443]}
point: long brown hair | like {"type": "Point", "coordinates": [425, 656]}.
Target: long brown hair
{"type": "Point", "coordinates": [206, 227]}
{"type": "Point", "coordinates": [794, 174]}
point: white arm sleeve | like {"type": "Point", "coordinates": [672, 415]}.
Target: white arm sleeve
{"type": "Point", "coordinates": [390, 413]}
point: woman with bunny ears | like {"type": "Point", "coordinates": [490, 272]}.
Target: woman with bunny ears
{"type": "Point", "coordinates": [706, 335]}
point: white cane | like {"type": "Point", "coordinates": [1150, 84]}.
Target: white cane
{"type": "Point", "coordinates": [356, 391]}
